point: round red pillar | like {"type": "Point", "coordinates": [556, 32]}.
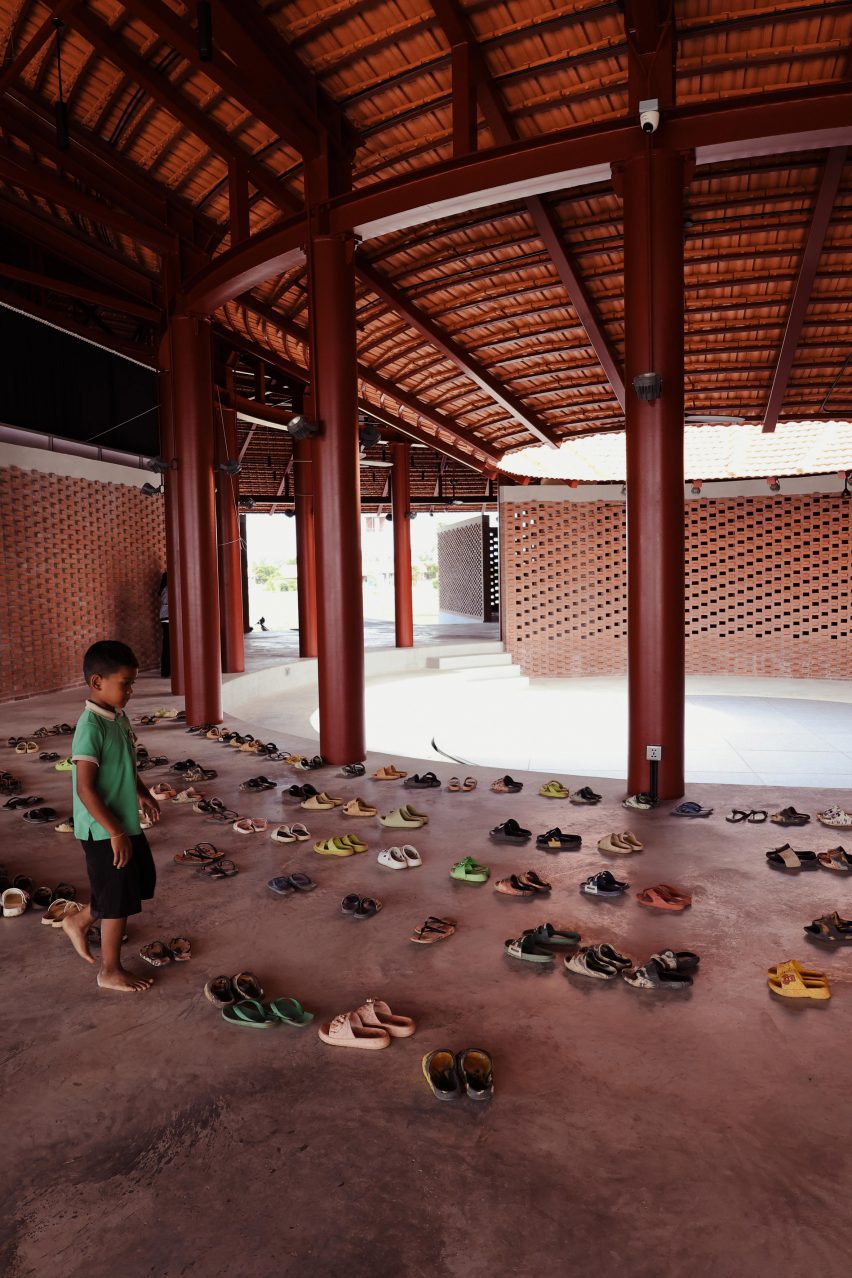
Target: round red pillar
{"type": "Point", "coordinates": [228, 544]}
{"type": "Point", "coordinates": [193, 429]}
{"type": "Point", "coordinates": [653, 305]}
{"type": "Point", "coordinates": [167, 452]}
{"type": "Point", "coordinates": [337, 501]}
{"type": "Point", "coordinates": [306, 564]}
{"type": "Point", "coordinates": [401, 500]}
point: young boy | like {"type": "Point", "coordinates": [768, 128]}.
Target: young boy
{"type": "Point", "coordinates": [107, 797]}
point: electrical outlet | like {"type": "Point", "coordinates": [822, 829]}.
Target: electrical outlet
{"type": "Point", "coordinates": [653, 753]}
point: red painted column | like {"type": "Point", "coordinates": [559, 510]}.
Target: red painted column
{"type": "Point", "coordinates": [401, 503]}
{"type": "Point", "coordinates": [306, 563]}
{"type": "Point", "coordinates": [192, 398]}
{"type": "Point", "coordinates": [228, 544]}
{"type": "Point", "coordinates": [653, 186]}
{"type": "Point", "coordinates": [337, 502]}
{"type": "Point", "coordinates": [167, 452]}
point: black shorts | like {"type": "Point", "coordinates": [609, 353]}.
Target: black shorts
{"type": "Point", "coordinates": [115, 893]}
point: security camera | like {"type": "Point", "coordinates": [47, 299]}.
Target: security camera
{"type": "Point", "coordinates": [649, 115]}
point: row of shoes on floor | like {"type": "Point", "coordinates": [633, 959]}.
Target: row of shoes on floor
{"type": "Point", "coordinates": [668, 969]}
{"type": "Point", "coordinates": [793, 860]}
{"type": "Point", "coordinates": [17, 895]}
{"type": "Point", "coordinates": [621, 843]}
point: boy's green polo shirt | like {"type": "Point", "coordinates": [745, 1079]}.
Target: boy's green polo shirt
{"type": "Point", "coordinates": [105, 737]}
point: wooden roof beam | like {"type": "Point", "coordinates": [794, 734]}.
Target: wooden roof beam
{"type": "Point", "coordinates": [245, 85]}
{"type": "Point", "coordinates": [826, 195]}
{"type": "Point", "coordinates": [116, 50]}
{"type": "Point", "coordinates": [404, 428]}
{"type": "Point", "coordinates": [501, 126]}
{"type": "Point", "coordinates": [38, 180]}
{"type": "Point", "coordinates": [382, 385]}
{"type": "Point", "coordinates": [451, 349]}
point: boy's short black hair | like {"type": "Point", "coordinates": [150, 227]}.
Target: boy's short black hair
{"type": "Point", "coordinates": [106, 657]}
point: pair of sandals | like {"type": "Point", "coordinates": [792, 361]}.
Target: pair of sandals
{"type": "Point", "coordinates": [250, 825]}
{"type": "Point", "coordinates": [527, 884]}
{"type": "Point", "coordinates": [158, 954]}
{"type": "Point", "coordinates": [792, 859]}
{"type": "Point", "coordinates": [40, 816]}
{"type": "Point", "coordinates": [258, 783]}
{"type": "Point", "coordinates": [302, 791]}
{"type": "Point", "coordinates": [664, 897]}
{"type": "Point", "coordinates": [144, 762]}
{"type": "Point", "coordinates": [353, 770]}
{"type": "Point", "coordinates": [224, 869]}
{"type": "Point", "coordinates": [830, 929]}
{"type": "Point", "coordinates": [586, 796]}
{"type": "Point", "coordinates": [254, 1014]}
{"type": "Point", "coordinates": [467, 1073]}
{"type": "Point", "coordinates": [321, 802]}
{"type": "Point", "coordinates": [288, 884]}
{"type": "Point", "coordinates": [340, 845]}
{"type": "Point", "coordinates": [791, 980]}
{"type": "Point", "coordinates": [789, 816]}
{"type": "Point", "coordinates": [43, 897]}
{"type": "Point", "coordinates": [44, 757]}
{"type": "Point", "coordinates": [360, 907]}
{"type": "Point", "coordinates": [297, 833]}
{"type": "Point", "coordinates": [424, 781]}
{"type": "Point", "coordinates": [389, 772]}
{"type": "Point", "coordinates": [455, 786]}
{"type": "Point", "coordinates": [26, 747]}
{"type": "Point", "coordinates": [624, 844]}
{"type": "Point", "coordinates": [469, 870]}
{"type": "Point", "coordinates": [533, 945]}
{"type": "Point", "coordinates": [509, 832]}
{"type": "Point", "coordinates": [404, 818]}
{"type": "Point", "coordinates": [555, 841]}
{"type": "Point", "coordinates": [305, 764]}
{"type": "Point", "coordinates": [28, 801]}
{"type": "Point", "coordinates": [690, 809]}
{"type": "Point", "coordinates": [405, 857]}
{"type": "Point", "coordinates": [604, 884]}
{"type": "Point", "coordinates": [223, 991]}
{"type": "Point", "coordinates": [432, 930]}
{"type": "Point", "coordinates": [506, 785]}
{"type": "Point", "coordinates": [359, 808]}
{"type": "Point", "coordinates": [554, 790]}
{"type": "Point", "coordinates": [201, 854]}
{"type": "Point", "coordinates": [600, 962]}
{"type": "Point", "coordinates": [667, 971]}
{"type": "Point", "coordinates": [754, 816]}
{"type": "Point", "coordinates": [58, 730]}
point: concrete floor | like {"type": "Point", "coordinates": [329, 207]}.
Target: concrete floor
{"type": "Point", "coordinates": [632, 1135]}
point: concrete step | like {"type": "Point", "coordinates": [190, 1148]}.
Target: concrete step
{"type": "Point", "coordinates": [469, 662]}
{"type": "Point", "coordinates": [510, 675]}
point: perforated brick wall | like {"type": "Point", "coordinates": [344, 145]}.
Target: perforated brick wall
{"type": "Point", "coordinates": [767, 586]}
{"type": "Point", "coordinates": [81, 561]}
{"type": "Point", "coordinates": [461, 575]}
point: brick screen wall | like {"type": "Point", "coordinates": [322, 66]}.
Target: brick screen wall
{"type": "Point", "coordinates": [81, 561]}
{"type": "Point", "coordinates": [461, 578]}
{"type": "Point", "coordinates": [767, 586]}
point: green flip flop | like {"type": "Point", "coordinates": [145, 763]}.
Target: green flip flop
{"type": "Point", "coordinates": [470, 871]}
{"type": "Point", "coordinates": [249, 1012]}
{"type": "Point", "coordinates": [290, 1011]}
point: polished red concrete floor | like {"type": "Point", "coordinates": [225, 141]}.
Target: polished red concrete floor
{"type": "Point", "coordinates": [632, 1134]}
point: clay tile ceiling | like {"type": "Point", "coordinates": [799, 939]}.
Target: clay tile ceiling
{"type": "Point", "coordinates": [494, 325]}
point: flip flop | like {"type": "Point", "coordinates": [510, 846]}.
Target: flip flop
{"type": "Point", "coordinates": [469, 784]}
{"type": "Point", "coordinates": [218, 870]}
{"type": "Point", "coordinates": [658, 899]}
{"type": "Point", "coordinates": [789, 980]}
{"type": "Point", "coordinates": [201, 854]}
{"type": "Point", "coordinates": [289, 1011]}
{"type": "Point", "coordinates": [250, 1013]}
{"type": "Point", "coordinates": [432, 930]}
{"type": "Point", "coordinates": [281, 886]}
{"type": "Point", "coordinates": [690, 809]}
{"type": "Point", "coordinates": [454, 785]}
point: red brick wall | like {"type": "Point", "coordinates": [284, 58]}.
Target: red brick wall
{"type": "Point", "coordinates": [768, 590]}
{"type": "Point", "coordinates": [81, 561]}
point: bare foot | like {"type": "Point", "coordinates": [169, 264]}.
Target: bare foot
{"type": "Point", "coordinates": [76, 933]}
{"type": "Point", "coordinates": [123, 981]}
